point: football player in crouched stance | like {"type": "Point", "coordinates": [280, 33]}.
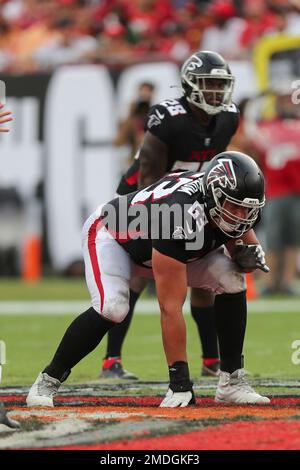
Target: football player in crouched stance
{"type": "Point", "coordinates": [209, 245]}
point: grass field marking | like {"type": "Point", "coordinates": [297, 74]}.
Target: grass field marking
{"type": "Point", "coordinates": [144, 307]}
{"type": "Point", "coordinates": [200, 412]}
{"type": "Point", "coordinates": [44, 307]}
{"type": "Point", "coordinates": [77, 425]}
{"type": "Point", "coordinates": [100, 391]}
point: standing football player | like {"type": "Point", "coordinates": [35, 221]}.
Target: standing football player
{"type": "Point", "coordinates": [131, 235]}
{"type": "Point", "coordinates": [181, 134]}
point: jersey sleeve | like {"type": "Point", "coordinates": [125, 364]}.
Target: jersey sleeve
{"type": "Point", "coordinates": [172, 248]}
{"type": "Point", "coordinates": [159, 123]}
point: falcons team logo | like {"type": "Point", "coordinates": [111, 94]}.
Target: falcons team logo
{"type": "Point", "coordinates": [223, 173]}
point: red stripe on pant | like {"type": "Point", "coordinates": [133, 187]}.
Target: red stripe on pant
{"type": "Point", "coordinates": [94, 259]}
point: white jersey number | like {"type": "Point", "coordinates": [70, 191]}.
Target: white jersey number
{"type": "Point", "coordinates": [159, 192]}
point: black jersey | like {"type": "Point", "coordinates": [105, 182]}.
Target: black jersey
{"type": "Point", "coordinates": [190, 144]}
{"type": "Point", "coordinates": [168, 215]}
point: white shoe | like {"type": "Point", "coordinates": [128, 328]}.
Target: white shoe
{"type": "Point", "coordinates": [233, 388]}
{"type": "Point", "coordinates": [43, 390]}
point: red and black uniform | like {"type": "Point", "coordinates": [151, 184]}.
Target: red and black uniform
{"type": "Point", "coordinates": [190, 144]}
{"type": "Point", "coordinates": [172, 220]}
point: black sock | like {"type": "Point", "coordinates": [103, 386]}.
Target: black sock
{"type": "Point", "coordinates": [205, 320]}
{"type": "Point", "coordinates": [81, 337]}
{"type": "Point", "coordinates": [231, 319]}
{"type": "Point", "coordinates": [117, 334]}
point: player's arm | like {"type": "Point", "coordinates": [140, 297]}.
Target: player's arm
{"type": "Point", "coordinates": [5, 116]}
{"type": "Point", "coordinates": [247, 252]}
{"type": "Point", "coordinates": [171, 284]}
{"type": "Point", "coordinates": [153, 160]}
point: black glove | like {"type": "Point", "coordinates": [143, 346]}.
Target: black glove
{"type": "Point", "coordinates": [250, 257]}
{"type": "Point", "coordinates": [180, 392]}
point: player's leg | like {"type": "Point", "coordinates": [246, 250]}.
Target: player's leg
{"type": "Point", "coordinates": [217, 272]}
{"type": "Point", "coordinates": [112, 365]}
{"type": "Point", "coordinates": [202, 309]}
{"type": "Point", "coordinates": [108, 269]}
{"type": "Point", "coordinates": [231, 321]}
{"type": "Point", "coordinates": [81, 337]}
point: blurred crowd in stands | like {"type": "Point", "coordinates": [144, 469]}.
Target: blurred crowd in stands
{"type": "Point", "coordinates": [38, 35]}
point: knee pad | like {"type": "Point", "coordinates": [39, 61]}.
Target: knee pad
{"type": "Point", "coordinates": [115, 309]}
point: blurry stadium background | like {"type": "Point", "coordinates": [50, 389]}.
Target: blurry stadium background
{"type": "Point", "coordinates": [72, 69]}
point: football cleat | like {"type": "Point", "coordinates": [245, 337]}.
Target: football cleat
{"type": "Point", "coordinates": [112, 368]}
{"type": "Point", "coordinates": [43, 391]}
{"type": "Point", "coordinates": [233, 388]}
{"type": "Point", "coordinates": [212, 370]}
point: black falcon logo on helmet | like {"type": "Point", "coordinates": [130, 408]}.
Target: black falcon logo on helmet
{"type": "Point", "coordinates": [223, 174]}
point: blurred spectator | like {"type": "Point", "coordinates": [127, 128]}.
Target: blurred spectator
{"type": "Point", "coordinates": [12, 10]}
{"type": "Point", "coordinates": [287, 15]}
{"type": "Point", "coordinates": [131, 129]}
{"type": "Point", "coordinates": [194, 21]}
{"type": "Point", "coordinates": [145, 16]}
{"type": "Point", "coordinates": [225, 30]}
{"type": "Point", "coordinates": [5, 53]}
{"type": "Point", "coordinates": [28, 34]}
{"type": "Point", "coordinates": [41, 34]}
{"type": "Point", "coordinates": [278, 141]}
{"type": "Point", "coordinates": [113, 49]}
{"type": "Point", "coordinates": [173, 44]}
{"type": "Point", "coordinates": [68, 47]}
{"type": "Point", "coordinates": [259, 20]}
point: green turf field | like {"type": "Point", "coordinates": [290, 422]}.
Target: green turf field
{"type": "Point", "coordinates": [32, 339]}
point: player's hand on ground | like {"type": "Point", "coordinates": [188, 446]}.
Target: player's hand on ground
{"type": "Point", "coordinates": [5, 116]}
{"type": "Point", "coordinates": [178, 399]}
{"type": "Point", "coordinates": [180, 392]}
{"type": "Point", "coordinates": [250, 257]}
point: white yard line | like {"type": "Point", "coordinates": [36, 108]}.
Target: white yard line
{"type": "Point", "coordinates": [144, 307]}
